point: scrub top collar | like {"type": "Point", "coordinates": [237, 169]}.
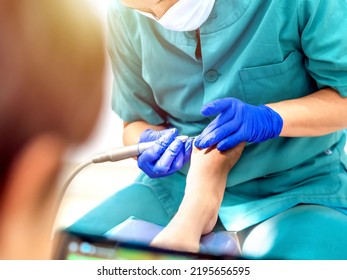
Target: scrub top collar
{"type": "Point", "coordinates": [221, 17]}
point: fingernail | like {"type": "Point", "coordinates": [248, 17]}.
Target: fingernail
{"type": "Point", "coordinates": [200, 145]}
{"type": "Point", "coordinates": [203, 144]}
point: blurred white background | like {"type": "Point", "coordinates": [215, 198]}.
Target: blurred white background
{"type": "Point", "coordinates": [108, 131]}
{"type": "Point", "coordinates": [98, 181]}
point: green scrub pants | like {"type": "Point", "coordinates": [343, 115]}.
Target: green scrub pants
{"type": "Point", "coordinates": [302, 232]}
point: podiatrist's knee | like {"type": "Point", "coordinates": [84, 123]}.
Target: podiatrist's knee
{"type": "Point", "coordinates": [136, 200]}
{"type": "Point", "coordinates": [303, 232]}
{"type": "Point", "coordinates": [141, 201]}
{"type": "Point", "coordinates": [135, 192]}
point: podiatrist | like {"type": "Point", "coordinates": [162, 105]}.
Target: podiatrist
{"type": "Point", "coordinates": [270, 73]}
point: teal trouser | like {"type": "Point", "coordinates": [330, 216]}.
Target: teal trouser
{"type": "Point", "coordinates": [136, 200]}
{"type": "Point", "coordinates": [302, 232]}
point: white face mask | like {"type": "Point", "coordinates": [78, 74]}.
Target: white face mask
{"type": "Point", "coordinates": [185, 15]}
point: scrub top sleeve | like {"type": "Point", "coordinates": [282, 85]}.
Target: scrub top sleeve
{"type": "Point", "coordinates": [132, 97]}
{"type": "Point", "coordinates": [323, 26]}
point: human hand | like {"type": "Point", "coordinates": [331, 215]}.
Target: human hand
{"type": "Point", "coordinates": [237, 122]}
{"type": "Point", "coordinates": [166, 156]}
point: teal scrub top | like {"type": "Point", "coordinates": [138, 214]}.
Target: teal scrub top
{"type": "Point", "coordinates": [259, 51]}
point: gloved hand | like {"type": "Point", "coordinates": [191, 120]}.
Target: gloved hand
{"type": "Point", "coordinates": [237, 122]}
{"type": "Point", "coordinates": [166, 156]}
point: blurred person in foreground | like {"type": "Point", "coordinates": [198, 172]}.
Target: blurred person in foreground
{"type": "Point", "coordinates": [51, 85]}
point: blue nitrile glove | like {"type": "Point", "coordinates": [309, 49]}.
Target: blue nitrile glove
{"type": "Point", "coordinates": [166, 156]}
{"type": "Point", "coordinates": [237, 122]}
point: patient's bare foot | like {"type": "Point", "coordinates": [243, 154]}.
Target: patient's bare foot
{"type": "Point", "coordinates": [206, 181]}
{"type": "Point", "coordinates": [177, 236]}
{"type": "Point", "coordinates": [198, 212]}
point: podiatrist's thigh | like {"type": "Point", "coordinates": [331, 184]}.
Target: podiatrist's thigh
{"type": "Point", "coordinates": [303, 232]}
{"type": "Point", "coordinates": [136, 200]}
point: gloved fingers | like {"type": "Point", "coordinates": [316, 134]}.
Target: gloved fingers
{"type": "Point", "coordinates": [149, 135]}
{"type": "Point", "coordinates": [152, 135]}
{"type": "Point", "coordinates": [183, 157]}
{"type": "Point", "coordinates": [231, 141]}
{"type": "Point", "coordinates": [145, 162]}
{"type": "Point", "coordinates": [147, 168]}
{"type": "Point", "coordinates": [149, 157]}
{"type": "Point", "coordinates": [158, 148]}
{"type": "Point", "coordinates": [207, 133]}
{"type": "Point", "coordinates": [177, 163]}
{"type": "Point", "coordinates": [213, 135]}
{"type": "Point", "coordinates": [169, 156]}
{"type": "Point", "coordinates": [166, 139]}
{"type": "Point", "coordinates": [216, 106]}
{"type": "Point", "coordinates": [219, 121]}
{"type": "Point", "coordinates": [188, 148]}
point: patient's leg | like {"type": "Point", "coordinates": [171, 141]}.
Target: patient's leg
{"type": "Point", "coordinates": [198, 212]}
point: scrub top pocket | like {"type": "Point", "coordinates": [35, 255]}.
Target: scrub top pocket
{"type": "Point", "coordinates": [275, 82]}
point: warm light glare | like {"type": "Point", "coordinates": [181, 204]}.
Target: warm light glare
{"type": "Point", "coordinates": [263, 235]}
{"type": "Point", "coordinates": [100, 5]}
